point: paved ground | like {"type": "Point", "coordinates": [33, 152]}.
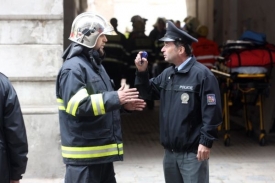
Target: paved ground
{"type": "Point", "coordinates": [244, 161]}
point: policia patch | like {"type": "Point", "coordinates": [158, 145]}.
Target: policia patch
{"type": "Point", "coordinates": [211, 99]}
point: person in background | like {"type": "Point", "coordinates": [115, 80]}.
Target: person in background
{"type": "Point", "coordinates": [13, 137]}
{"type": "Point", "coordinates": [139, 41]}
{"type": "Point", "coordinates": [122, 37]}
{"type": "Point", "coordinates": [205, 50]}
{"type": "Point", "coordinates": [116, 55]}
{"type": "Point", "coordinates": [157, 33]}
{"type": "Point", "coordinates": [138, 26]}
{"type": "Point", "coordinates": [178, 24]}
{"type": "Point", "coordinates": [191, 25]}
{"type": "Point", "coordinates": [158, 29]}
{"type": "Point", "coordinates": [89, 107]}
{"type": "Point", "coordinates": [190, 108]}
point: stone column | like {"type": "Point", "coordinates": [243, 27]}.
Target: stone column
{"type": "Point", "coordinates": [31, 45]}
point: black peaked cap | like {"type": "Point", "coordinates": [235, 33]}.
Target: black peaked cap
{"type": "Point", "coordinates": [175, 34]}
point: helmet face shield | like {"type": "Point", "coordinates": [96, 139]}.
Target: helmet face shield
{"type": "Point", "coordinates": [87, 27]}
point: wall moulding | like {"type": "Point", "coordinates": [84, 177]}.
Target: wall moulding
{"type": "Point", "coordinates": [32, 17]}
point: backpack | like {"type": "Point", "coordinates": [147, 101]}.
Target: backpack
{"type": "Point", "coordinates": [255, 37]}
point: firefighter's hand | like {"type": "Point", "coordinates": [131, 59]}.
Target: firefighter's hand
{"type": "Point", "coordinates": [141, 64]}
{"type": "Point", "coordinates": [127, 95]}
{"type": "Point", "coordinates": [203, 153]}
{"type": "Point", "coordinates": [14, 181]}
{"type": "Point", "coordinates": [135, 105]}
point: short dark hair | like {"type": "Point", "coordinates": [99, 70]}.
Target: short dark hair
{"type": "Point", "coordinates": [187, 47]}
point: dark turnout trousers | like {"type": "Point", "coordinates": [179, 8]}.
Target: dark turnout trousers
{"type": "Point", "coordinates": [98, 173]}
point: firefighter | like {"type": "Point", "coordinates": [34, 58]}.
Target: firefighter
{"type": "Point", "coordinates": [13, 138]}
{"type": "Point", "coordinates": [89, 108]}
{"type": "Point", "coordinates": [205, 50]}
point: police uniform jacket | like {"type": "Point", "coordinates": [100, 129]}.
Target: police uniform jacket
{"type": "Point", "coordinates": [89, 113]}
{"type": "Point", "coordinates": [190, 105]}
{"type": "Point", "coordinates": [13, 139]}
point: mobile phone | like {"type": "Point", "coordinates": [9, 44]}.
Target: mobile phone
{"type": "Point", "coordinates": [143, 55]}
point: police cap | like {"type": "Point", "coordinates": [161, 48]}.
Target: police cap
{"type": "Point", "coordinates": [175, 34]}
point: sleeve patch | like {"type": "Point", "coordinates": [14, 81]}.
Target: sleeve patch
{"type": "Point", "coordinates": [211, 99]}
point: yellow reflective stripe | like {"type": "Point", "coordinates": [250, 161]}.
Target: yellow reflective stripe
{"type": "Point", "coordinates": [120, 147]}
{"type": "Point", "coordinates": [74, 101]}
{"type": "Point", "coordinates": [59, 100]}
{"type": "Point", "coordinates": [61, 104]}
{"type": "Point", "coordinates": [97, 104]}
{"type": "Point", "coordinates": [92, 152]}
{"type": "Point", "coordinates": [92, 147]}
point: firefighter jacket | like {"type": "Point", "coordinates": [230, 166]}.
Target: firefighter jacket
{"type": "Point", "coordinates": [190, 105]}
{"type": "Point", "coordinates": [89, 112]}
{"type": "Point", "coordinates": [206, 51]}
{"type": "Point", "coordinates": [13, 139]}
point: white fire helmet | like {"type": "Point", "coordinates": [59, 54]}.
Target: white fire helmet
{"type": "Point", "coordinates": [87, 27]}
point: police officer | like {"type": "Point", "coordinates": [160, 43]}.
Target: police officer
{"type": "Point", "coordinates": [89, 108]}
{"type": "Point", "coordinates": [13, 138]}
{"type": "Point", "coordinates": [190, 108]}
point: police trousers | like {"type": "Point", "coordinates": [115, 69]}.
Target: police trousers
{"type": "Point", "coordinates": [97, 173]}
{"type": "Point", "coordinates": [180, 167]}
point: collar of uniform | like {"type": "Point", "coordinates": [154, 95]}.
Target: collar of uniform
{"type": "Point", "coordinates": [188, 65]}
{"type": "Point", "coordinates": [183, 63]}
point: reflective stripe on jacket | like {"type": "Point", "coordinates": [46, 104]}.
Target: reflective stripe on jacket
{"type": "Point", "coordinates": [92, 152]}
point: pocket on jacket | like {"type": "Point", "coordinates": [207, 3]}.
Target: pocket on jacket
{"type": "Point", "coordinates": [95, 85]}
{"type": "Point", "coordinates": [100, 134]}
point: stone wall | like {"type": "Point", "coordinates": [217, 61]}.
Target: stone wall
{"type": "Point", "coordinates": [31, 45]}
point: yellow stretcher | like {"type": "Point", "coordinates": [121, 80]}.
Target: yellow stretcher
{"type": "Point", "coordinates": [247, 85]}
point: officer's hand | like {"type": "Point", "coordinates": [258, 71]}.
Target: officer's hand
{"type": "Point", "coordinates": [141, 64]}
{"type": "Point", "coordinates": [125, 95]}
{"type": "Point", "coordinates": [203, 153]}
{"type": "Point", "coordinates": [135, 104]}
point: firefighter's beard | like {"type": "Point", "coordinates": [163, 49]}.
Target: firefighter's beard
{"type": "Point", "coordinates": [97, 55]}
